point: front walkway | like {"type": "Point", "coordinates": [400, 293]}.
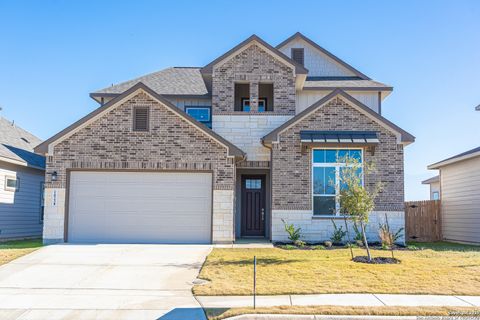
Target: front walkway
{"type": "Point", "coordinates": [363, 300]}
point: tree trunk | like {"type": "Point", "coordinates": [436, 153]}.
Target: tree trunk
{"type": "Point", "coordinates": [365, 241]}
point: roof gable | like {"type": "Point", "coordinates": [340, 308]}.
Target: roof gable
{"type": "Point", "coordinates": [459, 157]}
{"type": "Point", "coordinates": [403, 136]}
{"type": "Point", "coordinates": [51, 142]}
{"type": "Point", "coordinates": [299, 69]}
{"type": "Point", "coordinates": [343, 67]}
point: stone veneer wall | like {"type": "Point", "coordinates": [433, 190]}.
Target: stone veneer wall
{"type": "Point", "coordinates": [172, 143]}
{"type": "Point", "coordinates": [291, 172]}
{"type": "Point", "coordinates": [253, 65]}
{"type": "Point", "coordinates": [247, 130]}
{"type": "Point", "coordinates": [319, 230]}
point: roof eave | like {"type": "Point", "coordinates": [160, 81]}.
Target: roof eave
{"type": "Point", "coordinates": [405, 137]}
{"type": "Point", "coordinates": [446, 162]}
{"type": "Point", "coordinates": [350, 88]}
{"type": "Point", "coordinates": [232, 149]}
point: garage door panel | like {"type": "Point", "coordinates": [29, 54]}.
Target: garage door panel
{"type": "Point", "coordinates": [136, 207]}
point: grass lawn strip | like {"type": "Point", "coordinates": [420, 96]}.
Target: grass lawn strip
{"type": "Point", "coordinates": [439, 268]}
{"type": "Point", "coordinates": [12, 250]}
{"type": "Point", "coordinates": [217, 313]}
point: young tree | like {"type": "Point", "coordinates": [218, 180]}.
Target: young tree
{"type": "Point", "coordinates": [356, 200]}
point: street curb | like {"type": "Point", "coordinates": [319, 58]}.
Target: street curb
{"type": "Point", "coordinates": [315, 317]}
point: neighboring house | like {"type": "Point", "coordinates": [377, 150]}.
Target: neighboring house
{"type": "Point", "coordinates": [434, 184]}
{"type": "Point", "coordinates": [22, 175]}
{"type": "Point", "coordinates": [460, 185]}
{"type": "Point", "coordinates": [224, 151]}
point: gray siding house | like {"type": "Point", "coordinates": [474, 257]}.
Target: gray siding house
{"type": "Point", "coordinates": [459, 181]}
{"type": "Point", "coordinates": [22, 175]}
{"type": "Point", "coordinates": [224, 151]}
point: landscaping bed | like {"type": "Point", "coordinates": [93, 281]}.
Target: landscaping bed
{"type": "Point", "coordinates": [430, 268]}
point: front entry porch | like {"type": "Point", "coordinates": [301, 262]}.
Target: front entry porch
{"type": "Point", "coordinates": [252, 211]}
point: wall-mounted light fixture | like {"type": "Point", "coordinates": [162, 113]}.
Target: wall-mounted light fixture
{"type": "Point", "coordinates": [54, 176]}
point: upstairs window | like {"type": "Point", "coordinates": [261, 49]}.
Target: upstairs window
{"type": "Point", "coordinates": [298, 55]}
{"type": "Point", "coordinates": [242, 97]}
{"type": "Point", "coordinates": [265, 93]}
{"type": "Point", "coordinates": [141, 118]}
{"type": "Point", "coordinates": [201, 114]}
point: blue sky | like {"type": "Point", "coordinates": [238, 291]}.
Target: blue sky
{"type": "Point", "coordinates": [54, 53]}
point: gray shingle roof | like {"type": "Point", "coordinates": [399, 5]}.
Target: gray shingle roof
{"type": "Point", "coordinates": [16, 144]}
{"type": "Point", "coordinates": [345, 84]}
{"type": "Point", "coordinates": [170, 81]}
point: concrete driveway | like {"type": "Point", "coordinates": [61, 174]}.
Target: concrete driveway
{"type": "Point", "coordinates": [103, 282]}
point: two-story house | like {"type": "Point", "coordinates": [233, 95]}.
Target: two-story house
{"type": "Point", "coordinates": [224, 151]}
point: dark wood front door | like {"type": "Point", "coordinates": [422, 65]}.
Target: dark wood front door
{"type": "Point", "coordinates": [253, 206]}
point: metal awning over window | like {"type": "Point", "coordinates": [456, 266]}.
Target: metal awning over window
{"type": "Point", "coordinates": [339, 137]}
{"type": "Point", "coordinates": [312, 139]}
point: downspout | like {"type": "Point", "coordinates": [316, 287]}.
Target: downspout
{"type": "Point", "coordinates": [379, 102]}
{"type": "Point", "coordinates": [271, 189]}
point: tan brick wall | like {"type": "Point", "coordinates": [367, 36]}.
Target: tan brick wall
{"type": "Point", "coordinates": [172, 143]}
{"type": "Point", "coordinates": [253, 65]}
{"type": "Point", "coordinates": [109, 143]}
{"type": "Point", "coordinates": [291, 173]}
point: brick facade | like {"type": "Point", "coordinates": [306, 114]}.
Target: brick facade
{"type": "Point", "coordinates": [172, 143]}
{"type": "Point", "coordinates": [291, 169]}
{"type": "Point", "coordinates": [253, 65]}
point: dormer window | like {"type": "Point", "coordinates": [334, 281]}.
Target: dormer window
{"type": "Point", "coordinates": [298, 55]}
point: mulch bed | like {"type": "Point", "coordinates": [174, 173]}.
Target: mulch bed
{"type": "Point", "coordinates": [376, 260]}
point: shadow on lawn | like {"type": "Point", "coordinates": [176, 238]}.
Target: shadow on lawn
{"type": "Point", "coordinates": [445, 246]}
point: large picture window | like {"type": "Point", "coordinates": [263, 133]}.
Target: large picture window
{"type": "Point", "coordinates": [326, 172]}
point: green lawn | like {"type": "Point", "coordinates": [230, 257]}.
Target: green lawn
{"type": "Point", "coordinates": [12, 250]}
{"type": "Point", "coordinates": [437, 268]}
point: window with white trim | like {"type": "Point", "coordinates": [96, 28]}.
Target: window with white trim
{"type": "Point", "coordinates": [11, 183]}
{"type": "Point", "coordinates": [326, 170]}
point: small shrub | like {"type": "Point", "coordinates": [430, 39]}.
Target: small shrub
{"type": "Point", "coordinates": [359, 242]}
{"type": "Point", "coordinates": [388, 237]}
{"type": "Point", "coordinates": [328, 244]}
{"type": "Point", "coordinates": [338, 234]}
{"type": "Point", "coordinates": [318, 247]}
{"type": "Point", "coordinates": [289, 247]}
{"type": "Point", "coordinates": [299, 243]}
{"type": "Point", "coordinates": [351, 245]}
{"type": "Point", "coordinates": [294, 234]}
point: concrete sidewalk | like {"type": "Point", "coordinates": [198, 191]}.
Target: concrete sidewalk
{"type": "Point", "coordinates": [362, 300]}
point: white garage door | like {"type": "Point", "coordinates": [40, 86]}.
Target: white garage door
{"type": "Point", "coordinates": [140, 207]}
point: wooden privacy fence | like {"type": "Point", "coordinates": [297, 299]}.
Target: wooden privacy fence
{"type": "Point", "coordinates": [422, 220]}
